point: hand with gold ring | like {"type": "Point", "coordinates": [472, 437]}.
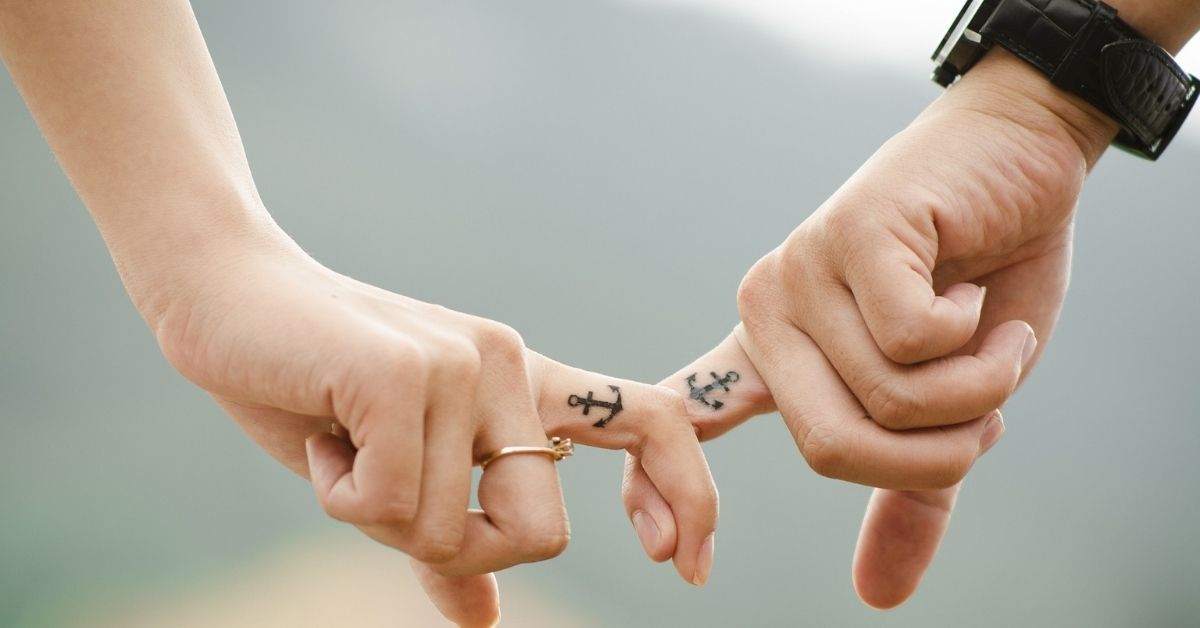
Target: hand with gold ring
{"type": "Point", "coordinates": [417, 395]}
{"type": "Point", "coordinates": [652, 422]}
{"type": "Point", "coordinates": [658, 426]}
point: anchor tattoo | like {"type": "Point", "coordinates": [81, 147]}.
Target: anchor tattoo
{"type": "Point", "coordinates": [701, 393]}
{"type": "Point", "coordinates": [614, 407]}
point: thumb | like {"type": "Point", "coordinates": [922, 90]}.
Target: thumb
{"type": "Point", "coordinates": [330, 462]}
{"type": "Point", "coordinates": [651, 515]}
{"type": "Point", "coordinates": [468, 601]}
{"type": "Point", "coordinates": [901, 533]}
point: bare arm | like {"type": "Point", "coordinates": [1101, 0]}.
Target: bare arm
{"type": "Point", "coordinates": [127, 95]}
{"type": "Point", "coordinates": [128, 98]}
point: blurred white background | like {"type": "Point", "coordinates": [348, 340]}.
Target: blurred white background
{"type": "Point", "coordinates": [897, 34]}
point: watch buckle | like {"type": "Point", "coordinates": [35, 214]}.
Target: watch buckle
{"type": "Point", "coordinates": [963, 45]}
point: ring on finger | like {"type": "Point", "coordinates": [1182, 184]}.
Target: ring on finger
{"type": "Point", "coordinates": [556, 449]}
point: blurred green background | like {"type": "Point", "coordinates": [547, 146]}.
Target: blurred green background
{"type": "Point", "coordinates": [599, 175]}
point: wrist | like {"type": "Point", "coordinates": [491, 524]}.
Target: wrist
{"type": "Point", "coordinates": [164, 255]}
{"type": "Point", "coordinates": [1111, 72]}
{"type": "Point", "coordinates": [1006, 88]}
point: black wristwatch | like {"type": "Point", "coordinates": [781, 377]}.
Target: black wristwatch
{"type": "Point", "coordinates": [1087, 50]}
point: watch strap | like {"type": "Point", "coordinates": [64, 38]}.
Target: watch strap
{"type": "Point", "coordinates": [1086, 49]}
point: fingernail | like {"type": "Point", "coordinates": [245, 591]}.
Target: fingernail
{"type": "Point", "coordinates": [1027, 350]}
{"type": "Point", "coordinates": [647, 532]}
{"type": "Point", "coordinates": [991, 433]}
{"type": "Point", "coordinates": [982, 296]}
{"type": "Point", "coordinates": [704, 561]}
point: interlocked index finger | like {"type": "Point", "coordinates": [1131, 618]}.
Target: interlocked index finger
{"type": "Point", "coordinates": [721, 390]}
{"type": "Point", "coordinates": [649, 421]}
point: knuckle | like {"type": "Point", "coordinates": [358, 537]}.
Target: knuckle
{"type": "Point", "coordinates": [699, 500]}
{"type": "Point", "coordinates": [825, 451]}
{"type": "Point", "coordinates": [893, 404]}
{"type": "Point", "coordinates": [666, 420]}
{"type": "Point", "coordinates": [545, 541]}
{"type": "Point", "coordinates": [460, 360]}
{"type": "Point", "coordinates": [754, 293]}
{"type": "Point", "coordinates": [903, 340]}
{"type": "Point", "coordinates": [550, 545]}
{"type": "Point", "coordinates": [499, 341]}
{"type": "Point", "coordinates": [842, 224]}
{"type": "Point", "coordinates": [844, 228]}
{"type": "Point", "coordinates": [667, 405]}
{"type": "Point", "coordinates": [398, 510]}
{"type": "Point", "coordinates": [951, 470]}
{"type": "Point", "coordinates": [798, 259]}
{"type": "Point", "coordinates": [334, 510]}
{"type": "Point", "coordinates": [435, 548]}
{"type": "Point", "coordinates": [401, 357]}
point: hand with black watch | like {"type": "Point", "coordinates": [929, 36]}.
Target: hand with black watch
{"type": "Point", "coordinates": [869, 324]}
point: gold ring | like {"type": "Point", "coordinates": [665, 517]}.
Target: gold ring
{"type": "Point", "coordinates": [558, 449]}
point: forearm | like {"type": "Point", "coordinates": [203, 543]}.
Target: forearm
{"type": "Point", "coordinates": [128, 98]}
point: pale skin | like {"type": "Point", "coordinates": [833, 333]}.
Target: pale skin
{"type": "Point", "coordinates": [867, 328]}
{"type": "Point", "coordinates": [128, 99]}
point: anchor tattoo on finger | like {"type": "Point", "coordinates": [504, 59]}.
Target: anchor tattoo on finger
{"type": "Point", "coordinates": [614, 407]}
{"type": "Point", "coordinates": [701, 393]}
